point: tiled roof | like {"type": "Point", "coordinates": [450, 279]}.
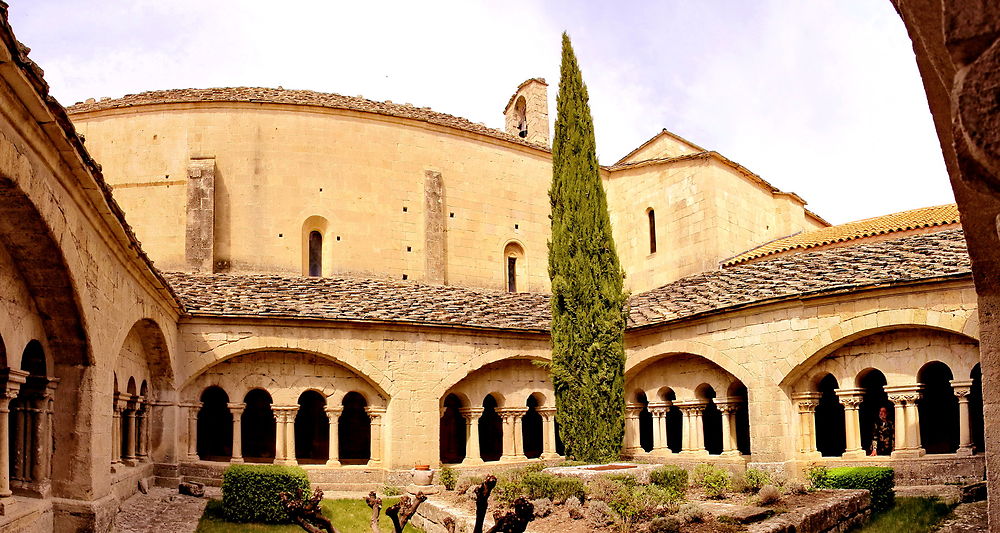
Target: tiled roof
{"type": "Point", "coordinates": [866, 265]}
{"type": "Point", "coordinates": [264, 95]}
{"type": "Point", "coordinates": [926, 217]}
{"type": "Point", "coordinates": [272, 296]}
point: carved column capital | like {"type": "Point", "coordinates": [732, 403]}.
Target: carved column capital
{"type": "Point", "coordinates": [512, 413]}
{"type": "Point", "coordinates": [333, 412]}
{"type": "Point", "coordinates": [633, 410]}
{"type": "Point", "coordinates": [962, 389]}
{"type": "Point", "coordinates": [236, 408]}
{"type": "Point", "coordinates": [850, 398]}
{"type": "Point", "coordinates": [375, 413]}
{"type": "Point", "coordinates": [471, 413]}
{"type": "Point", "coordinates": [546, 412]}
{"type": "Point", "coordinates": [691, 407]}
{"type": "Point", "coordinates": [904, 393]}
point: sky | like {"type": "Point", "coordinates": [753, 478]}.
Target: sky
{"type": "Point", "coordinates": [818, 97]}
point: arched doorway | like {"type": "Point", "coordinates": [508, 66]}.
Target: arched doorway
{"type": "Point", "coordinates": [645, 423]}
{"type": "Point", "coordinates": [938, 408]}
{"type": "Point", "coordinates": [215, 426]}
{"type": "Point", "coordinates": [258, 428]}
{"type": "Point", "coordinates": [976, 410]}
{"type": "Point", "coordinates": [711, 420]}
{"type": "Point", "coordinates": [531, 429]}
{"type": "Point", "coordinates": [875, 398]}
{"type": "Point", "coordinates": [831, 438]}
{"type": "Point", "coordinates": [355, 430]}
{"type": "Point", "coordinates": [452, 431]}
{"type": "Point", "coordinates": [490, 431]}
{"type": "Point", "coordinates": [312, 429]}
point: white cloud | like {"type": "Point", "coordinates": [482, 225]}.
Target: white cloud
{"type": "Point", "coordinates": [820, 97]}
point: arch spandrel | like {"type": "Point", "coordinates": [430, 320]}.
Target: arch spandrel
{"type": "Point", "coordinates": [814, 350]}
{"type": "Point", "coordinates": [639, 359]}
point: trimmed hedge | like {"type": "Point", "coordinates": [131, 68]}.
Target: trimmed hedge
{"type": "Point", "coordinates": [250, 492]}
{"type": "Point", "coordinates": [878, 480]}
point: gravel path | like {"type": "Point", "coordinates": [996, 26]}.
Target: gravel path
{"type": "Point", "coordinates": [967, 518]}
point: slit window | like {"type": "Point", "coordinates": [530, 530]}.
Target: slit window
{"type": "Point", "coordinates": [652, 231]}
{"type": "Point", "coordinates": [511, 274]}
{"type": "Point", "coordinates": [315, 254]}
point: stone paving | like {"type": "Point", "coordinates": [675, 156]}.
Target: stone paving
{"type": "Point", "coordinates": [967, 518]}
{"type": "Point", "coordinates": [161, 510]}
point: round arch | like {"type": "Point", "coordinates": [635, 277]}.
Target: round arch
{"type": "Point", "coordinates": [476, 364]}
{"type": "Point", "coordinates": [639, 360]}
{"type": "Point", "coordinates": [364, 369]}
{"type": "Point", "coordinates": [826, 342]}
{"type": "Point", "coordinates": [157, 351]}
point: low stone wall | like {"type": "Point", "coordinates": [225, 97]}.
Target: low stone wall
{"type": "Point", "coordinates": [926, 470]}
{"type": "Point", "coordinates": [431, 514]}
{"type": "Point", "coordinates": [847, 510]}
{"type": "Point", "coordinates": [339, 479]}
{"type": "Point", "coordinates": [26, 515]}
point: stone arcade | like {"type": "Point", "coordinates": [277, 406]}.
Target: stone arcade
{"type": "Point", "coordinates": [359, 286]}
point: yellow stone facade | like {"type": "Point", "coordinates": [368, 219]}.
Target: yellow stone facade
{"type": "Point", "coordinates": [113, 377]}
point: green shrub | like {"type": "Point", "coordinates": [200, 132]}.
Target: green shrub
{"type": "Point", "coordinates": [878, 480]}
{"type": "Point", "coordinates": [533, 484]}
{"type": "Point", "coordinates": [756, 479]}
{"type": "Point", "coordinates": [250, 492]}
{"type": "Point", "coordinates": [817, 476]}
{"type": "Point", "coordinates": [691, 512]}
{"type": "Point", "coordinates": [768, 494]}
{"type": "Point", "coordinates": [448, 478]}
{"type": "Point", "coordinates": [699, 472]}
{"type": "Point", "coordinates": [670, 477]}
{"type": "Point", "coordinates": [716, 483]}
{"type": "Point", "coordinates": [467, 482]}
{"type": "Point", "coordinates": [391, 490]}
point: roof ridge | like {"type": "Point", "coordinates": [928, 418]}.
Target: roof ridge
{"type": "Point", "coordinates": [302, 97]}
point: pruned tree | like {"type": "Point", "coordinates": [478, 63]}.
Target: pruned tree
{"type": "Point", "coordinates": [588, 300]}
{"type": "Point", "coordinates": [399, 512]}
{"type": "Point", "coordinates": [306, 511]}
{"type": "Point", "coordinates": [514, 521]}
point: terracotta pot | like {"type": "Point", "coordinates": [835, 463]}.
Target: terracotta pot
{"type": "Point", "coordinates": [422, 475]}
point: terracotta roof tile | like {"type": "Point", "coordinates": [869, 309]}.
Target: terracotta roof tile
{"type": "Point", "coordinates": [926, 217]}
{"type": "Point", "coordinates": [265, 95]}
{"type": "Point", "coordinates": [867, 265]}
{"type": "Point", "coordinates": [864, 265]}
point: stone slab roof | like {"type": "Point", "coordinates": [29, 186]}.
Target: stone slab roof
{"type": "Point", "coordinates": [926, 217]}
{"type": "Point", "coordinates": [868, 265]}
{"type": "Point", "coordinates": [266, 95]}
{"type": "Point", "coordinates": [331, 298]}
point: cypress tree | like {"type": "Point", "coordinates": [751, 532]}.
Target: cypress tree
{"type": "Point", "coordinates": [588, 300]}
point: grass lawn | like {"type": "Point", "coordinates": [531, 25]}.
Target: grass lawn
{"type": "Point", "coordinates": [912, 515]}
{"type": "Point", "coordinates": [349, 516]}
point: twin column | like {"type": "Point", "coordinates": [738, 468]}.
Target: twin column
{"type": "Point", "coordinates": [512, 445]}
{"type": "Point", "coordinates": [692, 427]}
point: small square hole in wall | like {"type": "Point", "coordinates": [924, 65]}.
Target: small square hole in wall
{"type": "Point", "coordinates": [338, 237]}
{"type": "Point", "coordinates": [409, 249]}
{"type": "Point", "coordinates": [321, 189]}
{"type": "Point", "coordinates": [515, 226]}
{"type": "Point", "coordinates": [280, 235]}
{"type": "Point", "coordinates": [404, 276]}
{"type": "Point", "coordinates": [452, 215]}
{"type": "Point", "coordinates": [404, 209]}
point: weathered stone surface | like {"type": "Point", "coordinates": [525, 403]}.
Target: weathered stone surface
{"type": "Point", "coordinates": [191, 488]}
{"type": "Point", "coordinates": [848, 508]}
{"type": "Point", "coordinates": [741, 514]}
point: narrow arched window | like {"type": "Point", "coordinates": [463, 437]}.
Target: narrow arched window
{"type": "Point", "coordinates": [511, 274]}
{"type": "Point", "coordinates": [652, 231]}
{"type": "Point", "coordinates": [315, 254]}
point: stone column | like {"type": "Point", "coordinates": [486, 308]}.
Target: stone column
{"type": "Point", "coordinates": [333, 417]}
{"type": "Point", "coordinates": [659, 411]}
{"type": "Point", "coordinates": [471, 416]}
{"type": "Point", "coordinates": [633, 442]}
{"type": "Point", "coordinates": [548, 432]}
{"type": "Point", "coordinates": [851, 400]}
{"type": "Point", "coordinates": [116, 429]}
{"type": "Point", "coordinates": [807, 403]}
{"type": "Point", "coordinates": [511, 417]}
{"type": "Point", "coordinates": [49, 425]}
{"type": "Point", "coordinates": [913, 421]}
{"type": "Point", "coordinates": [699, 420]}
{"type": "Point", "coordinates": [237, 411]}
{"type": "Point", "coordinates": [192, 436]}
{"type": "Point", "coordinates": [290, 415]}
{"type": "Point", "coordinates": [39, 459]}
{"type": "Point", "coordinates": [962, 389]}
{"type": "Point", "coordinates": [694, 434]}
{"type": "Point", "coordinates": [130, 433]}
{"type": "Point", "coordinates": [375, 414]}
{"type": "Point", "coordinates": [284, 442]}
{"type": "Point", "coordinates": [141, 429]}
{"type": "Point", "coordinates": [11, 381]}
{"type": "Point", "coordinates": [729, 407]}
{"type": "Point", "coordinates": [900, 444]}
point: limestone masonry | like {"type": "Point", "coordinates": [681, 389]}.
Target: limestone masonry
{"type": "Point", "coordinates": [358, 287]}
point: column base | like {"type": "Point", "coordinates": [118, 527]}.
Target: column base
{"type": "Point", "coordinates": [907, 453]}
{"type": "Point", "coordinates": [510, 459]}
{"type": "Point", "coordinates": [129, 462]}
{"type": "Point", "coordinates": [469, 461]}
{"type": "Point", "coordinates": [286, 462]}
{"type": "Point", "coordinates": [333, 462]}
{"type": "Point", "coordinates": [236, 460]}
{"type": "Point", "coordinates": [550, 455]}
{"type": "Point", "coordinates": [374, 463]}
{"type": "Point", "coordinates": [694, 453]}
{"type": "Point", "coordinates": [736, 453]}
{"type": "Point", "coordinates": [854, 454]}
{"type": "Point", "coordinates": [964, 451]}
{"type": "Point", "coordinates": [192, 458]}
{"type": "Point", "coordinates": [662, 452]}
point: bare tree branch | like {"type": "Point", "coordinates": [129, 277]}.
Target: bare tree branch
{"type": "Point", "coordinates": [515, 521]}
{"type": "Point", "coordinates": [482, 492]}
{"type": "Point", "coordinates": [401, 512]}
{"type": "Point", "coordinates": [306, 512]}
{"type": "Point", "coordinates": [375, 503]}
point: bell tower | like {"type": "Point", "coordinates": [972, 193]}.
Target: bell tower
{"type": "Point", "coordinates": [527, 112]}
